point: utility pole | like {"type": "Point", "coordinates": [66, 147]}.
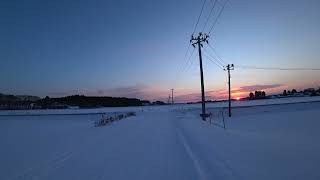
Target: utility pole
{"type": "Point", "coordinates": [171, 96]}
{"type": "Point", "coordinates": [199, 40]}
{"type": "Point", "coordinates": [229, 67]}
{"type": "Point", "coordinates": [169, 99]}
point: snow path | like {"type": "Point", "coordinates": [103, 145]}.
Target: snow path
{"type": "Point", "coordinates": [269, 142]}
{"type": "Point", "coordinates": [197, 166]}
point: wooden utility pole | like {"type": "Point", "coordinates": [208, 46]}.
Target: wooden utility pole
{"type": "Point", "coordinates": [198, 40]}
{"type": "Point", "coordinates": [171, 96]}
{"type": "Point", "coordinates": [229, 67]}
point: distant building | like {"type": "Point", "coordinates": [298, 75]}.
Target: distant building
{"type": "Point", "coordinates": [158, 103]}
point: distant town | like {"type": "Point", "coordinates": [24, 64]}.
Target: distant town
{"type": "Point", "coordinates": [25, 102]}
{"type": "Point", "coordinates": [285, 94]}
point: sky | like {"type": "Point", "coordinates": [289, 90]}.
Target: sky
{"type": "Point", "coordinates": [141, 48]}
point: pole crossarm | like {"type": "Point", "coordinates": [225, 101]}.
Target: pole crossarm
{"type": "Point", "coordinates": [229, 67]}
{"type": "Point", "coordinates": [202, 37]}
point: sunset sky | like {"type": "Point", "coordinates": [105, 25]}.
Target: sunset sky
{"type": "Point", "coordinates": [137, 48]}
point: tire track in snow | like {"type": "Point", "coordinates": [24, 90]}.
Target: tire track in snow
{"type": "Point", "coordinates": [211, 167]}
{"type": "Point", "coordinates": [58, 160]}
{"type": "Point", "coordinates": [43, 168]}
{"type": "Point", "coordinates": [193, 157]}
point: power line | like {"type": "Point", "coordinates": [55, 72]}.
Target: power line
{"type": "Point", "coordinates": [186, 67]}
{"type": "Point", "coordinates": [211, 11]}
{"type": "Point", "coordinates": [204, 2]}
{"type": "Point", "coordinates": [219, 60]}
{"type": "Point", "coordinates": [188, 48]}
{"type": "Point", "coordinates": [215, 22]}
{"type": "Point", "coordinates": [215, 59]}
{"type": "Point", "coordinates": [219, 57]}
{"type": "Point", "coordinates": [187, 51]}
{"type": "Point", "coordinates": [214, 62]}
{"type": "Point", "coordinates": [187, 62]}
{"type": "Point", "coordinates": [183, 68]}
{"type": "Point", "coordinates": [191, 63]}
{"type": "Point", "coordinates": [209, 58]}
{"type": "Point", "coordinates": [185, 58]}
{"type": "Point", "coordinates": [278, 68]}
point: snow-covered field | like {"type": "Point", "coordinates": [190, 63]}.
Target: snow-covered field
{"type": "Point", "coordinates": [111, 110]}
{"type": "Point", "coordinates": [274, 141]}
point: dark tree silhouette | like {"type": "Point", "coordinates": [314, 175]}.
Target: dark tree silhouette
{"type": "Point", "coordinates": [256, 94]}
{"type": "Point", "coordinates": [284, 93]}
{"type": "Point", "coordinates": [251, 96]}
{"type": "Point", "coordinates": [89, 101]}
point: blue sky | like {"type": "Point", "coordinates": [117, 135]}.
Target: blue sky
{"type": "Point", "coordinates": [137, 48]}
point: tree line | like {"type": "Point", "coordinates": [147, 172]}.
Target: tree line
{"type": "Point", "coordinates": [89, 101]}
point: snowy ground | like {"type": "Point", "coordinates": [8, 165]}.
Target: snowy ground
{"type": "Point", "coordinates": [260, 142]}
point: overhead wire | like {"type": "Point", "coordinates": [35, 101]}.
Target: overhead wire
{"type": "Point", "coordinates": [186, 59]}
{"type": "Point", "coordinates": [218, 56]}
{"type": "Point", "coordinates": [191, 63]}
{"type": "Point", "coordinates": [189, 59]}
{"type": "Point", "coordinates": [217, 18]}
{"type": "Point", "coordinates": [213, 61]}
{"type": "Point", "coordinates": [209, 16]}
{"type": "Point", "coordinates": [221, 64]}
{"type": "Point", "coordinates": [204, 2]}
{"type": "Point", "coordinates": [277, 68]}
{"type": "Point", "coordinates": [197, 22]}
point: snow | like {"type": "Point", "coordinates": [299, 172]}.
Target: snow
{"type": "Point", "coordinates": [278, 140]}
